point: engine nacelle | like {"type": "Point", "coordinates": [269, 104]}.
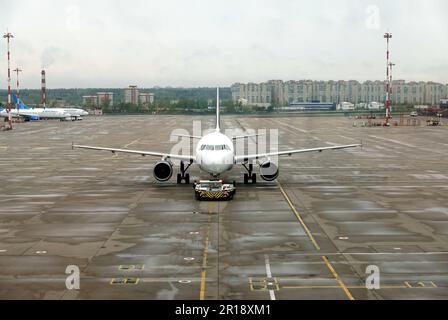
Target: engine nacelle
{"type": "Point", "coordinates": [163, 170]}
{"type": "Point", "coordinates": [268, 171]}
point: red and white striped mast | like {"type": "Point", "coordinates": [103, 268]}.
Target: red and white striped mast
{"type": "Point", "coordinates": [17, 70]}
{"type": "Point", "coordinates": [8, 36]}
{"type": "Point", "coordinates": [391, 65]}
{"type": "Point", "coordinates": [388, 117]}
{"type": "Point", "coordinates": [43, 92]}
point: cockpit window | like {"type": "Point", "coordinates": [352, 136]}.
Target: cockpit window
{"type": "Point", "coordinates": [217, 147]}
{"type": "Point", "coordinates": [207, 147]}
{"type": "Point", "coordinates": [222, 147]}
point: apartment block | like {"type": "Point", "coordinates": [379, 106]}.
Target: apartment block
{"type": "Point", "coordinates": [282, 93]}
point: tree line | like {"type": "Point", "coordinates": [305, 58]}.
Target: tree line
{"type": "Point", "coordinates": [74, 96]}
{"type": "Point", "coordinates": [167, 100]}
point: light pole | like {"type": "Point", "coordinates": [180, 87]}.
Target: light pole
{"type": "Point", "coordinates": [17, 70]}
{"type": "Point", "coordinates": [388, 36]}
{"type": "Point", "coordinates": [8, 36]}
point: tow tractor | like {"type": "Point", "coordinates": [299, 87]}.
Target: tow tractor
{"type": "Point", "coordinates": [214, 190]}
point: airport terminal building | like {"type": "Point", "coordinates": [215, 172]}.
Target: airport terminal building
{"type": "Point", "coordinates": [282, 93]}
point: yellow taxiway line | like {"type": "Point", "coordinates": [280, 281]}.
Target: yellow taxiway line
{"type": "Point", "coordinates": [336, 276]}
{"type": "Point", "coordinates": [205, 253]}
{"type": "Point", "coordinates": [305, 227]}
{"type": "Point", "coordinates": [316, 245]}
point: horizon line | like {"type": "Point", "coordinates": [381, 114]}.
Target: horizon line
{"type": "Point", "coordinates": [226, 87]}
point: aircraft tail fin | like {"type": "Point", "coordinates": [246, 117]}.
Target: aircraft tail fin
{"type": "Point", "coordinates": [15, 99]}
{"type": "Point", "coordinates": [217, 110]}
{"type": "Point", "coordinates": [18, 102]}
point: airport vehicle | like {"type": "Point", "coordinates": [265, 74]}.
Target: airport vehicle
{"type": "Point", "coordinates": [432, 122]}
{"type": "Point", "coordinates": [214, 190]}
{"type": "Point", "coordinates": [215, 155]}
{"type": "Point", "coordinates": [21, 110]}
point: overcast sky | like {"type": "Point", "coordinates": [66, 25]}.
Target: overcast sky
{"type": "Point", "coordinates": [104, 43]}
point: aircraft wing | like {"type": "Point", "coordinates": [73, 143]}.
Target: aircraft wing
{"type": "Point", "coordinates": [142, 153]}
{"type": "Point", "coordinates": [234, 138]}
{"type": "Point", "coordinates": [245, 158]}
{"type": "Point", "coordinates": [247, 136]}
{"type": "Point", "coordinates": [187, 136]}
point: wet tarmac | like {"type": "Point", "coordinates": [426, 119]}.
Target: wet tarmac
{"type": "Point", "coordinates": [311, 235]}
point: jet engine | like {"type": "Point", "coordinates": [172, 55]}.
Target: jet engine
{"type": "Point", "coordinates": [163, 170]}
{"type": "Point", "coordinates": [268, 171]}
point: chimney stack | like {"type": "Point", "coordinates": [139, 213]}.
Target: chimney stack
{"type": "Point", "coordinates": [43, 94]}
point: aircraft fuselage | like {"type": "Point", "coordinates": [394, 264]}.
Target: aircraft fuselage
{"type": "Point", "coordinates": [215, 153]}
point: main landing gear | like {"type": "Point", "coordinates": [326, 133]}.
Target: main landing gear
{"type": "Point", "coordinates": [249, 176]}
{"type": "Point", "coordinates": [183, 175]}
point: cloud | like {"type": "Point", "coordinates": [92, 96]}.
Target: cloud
{"type": "Point", "coordinates": [187, 43]}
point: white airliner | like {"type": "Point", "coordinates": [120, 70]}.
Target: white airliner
{"type": "Point", "coordinates": [215, 154]}
{"type": "Point", "coordinates": [33, 113]}
{"type": "Point", "coordinates": [74, 113]}
{"type": "Point", "coordinates": [23, 111]}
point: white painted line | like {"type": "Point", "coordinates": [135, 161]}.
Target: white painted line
{"type": "Point", "coordinates": [407, 145]}
{"type": "Point", "coordinates": [268, 267]}
{"type": "Point", "coordinates": [269, 275]}
{"type": "Point", "coordinates": [348, 138]}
